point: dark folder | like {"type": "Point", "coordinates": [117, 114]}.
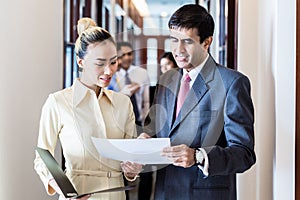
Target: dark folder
{"type": "Point", "coordinates": [62, 180]}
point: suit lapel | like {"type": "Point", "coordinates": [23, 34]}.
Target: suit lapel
{"type": "Point", "coordinates": [196, 93]}
{"type": "Point", "coordinates": [194, 96]}
{"type": "Point", "coordinates": [171, 85]}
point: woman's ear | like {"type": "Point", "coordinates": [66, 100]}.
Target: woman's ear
{"type": "Point", "coordinates": [79, 62]}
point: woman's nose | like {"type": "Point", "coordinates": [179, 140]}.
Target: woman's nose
{"type": "Point", "coordinates": [108, 70]}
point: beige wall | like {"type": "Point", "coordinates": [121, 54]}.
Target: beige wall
{"type": "Point", "coordinates": [31, 49]}
{"type": "Point", "coordinates": [267, 55]}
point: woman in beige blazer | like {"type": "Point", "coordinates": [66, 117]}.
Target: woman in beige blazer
{"type": "Point", "coordinates": [86, 110]}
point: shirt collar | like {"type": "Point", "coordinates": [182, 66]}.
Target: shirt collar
{"type": "Point", "coordinates": [81, 91]}
{"type": "Point", "coordinates": [123, 71]}
{"type": "Point", "coordinates": [194, 72]}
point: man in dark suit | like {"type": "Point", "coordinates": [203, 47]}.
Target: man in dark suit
{"type": "Point", "coordinates": [207, 112]}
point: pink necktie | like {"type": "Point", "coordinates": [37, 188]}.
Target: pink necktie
{"type": "Point", "coordinates": [183, 91]}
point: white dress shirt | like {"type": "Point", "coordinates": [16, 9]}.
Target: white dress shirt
{"type": "Point", "coordinates": [193, 75]}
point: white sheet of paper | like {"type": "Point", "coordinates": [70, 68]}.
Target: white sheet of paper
{"type": "Point", "coordinates": [143, 151]}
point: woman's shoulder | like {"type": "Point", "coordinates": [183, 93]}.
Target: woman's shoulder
{"type": "Point", "coordinates": [117, 96]}
{"type": "Point", "coordinates": [61, 92]}
{"type": "Point", "coordinates": [60, 95]}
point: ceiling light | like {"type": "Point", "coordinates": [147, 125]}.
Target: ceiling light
{"type": "Point", "coordinates": [142, 7]}
{"type": "Point", "coordinates": [163, 14]}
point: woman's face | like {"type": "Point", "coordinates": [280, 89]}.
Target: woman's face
{"type": "Point", "coordinates": [99, 64]}
{"type": "Point", "coordinates": [166, 64]}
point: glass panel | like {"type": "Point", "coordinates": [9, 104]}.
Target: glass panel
{"type": "Point", "coordinates": [167, 45]}
{"type": "Point", "coordinates": [152, 60]}
{"type": "Point", "coordinates": [68, 68]}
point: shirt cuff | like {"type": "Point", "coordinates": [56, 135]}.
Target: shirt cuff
{"type": "Point", "coordinates": [204, 167]}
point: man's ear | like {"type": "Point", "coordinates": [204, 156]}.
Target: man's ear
{"type": "Point", "coordinates": [207, 42]}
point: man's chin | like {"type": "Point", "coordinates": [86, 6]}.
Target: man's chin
{"type": "Point", "coordinates": [188, 67]}
{"type": "Point", "coordinates": [182, 65]}
{"type": "Point", "coordinates": [125, 67]}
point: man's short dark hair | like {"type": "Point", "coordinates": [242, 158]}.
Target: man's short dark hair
{"type": "Point", "coordinates": [193, 16]}
{"type": "Point", "coordinates": [123, 44]}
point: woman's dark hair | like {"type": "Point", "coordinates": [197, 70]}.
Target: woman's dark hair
{"type": "Point", "coordinates": [89, 33]}
{"type": "Point", "coordinates": [193, 16]}
{"type": "Point", "coordinates": [169, 56]}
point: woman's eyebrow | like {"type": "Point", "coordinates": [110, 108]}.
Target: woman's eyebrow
{"type": "Point", "coordinates": [114, 57]}
{"type": "Point", "coordinates": [103, 59]}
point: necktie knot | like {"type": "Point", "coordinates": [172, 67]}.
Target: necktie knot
{"type": "Point", "coordinates": [187, 78]}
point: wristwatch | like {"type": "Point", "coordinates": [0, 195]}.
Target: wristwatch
{"type": "Point", "coordinates": [199, 158]}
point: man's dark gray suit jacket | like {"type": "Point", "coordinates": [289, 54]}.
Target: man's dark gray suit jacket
{"type": "Point", "coordinates": [218, 116]}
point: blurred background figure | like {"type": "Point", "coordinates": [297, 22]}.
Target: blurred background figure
{"type": "Point", "coordinates": [134, 82]}
{"type": "Point", "coordinates": [167, 62]}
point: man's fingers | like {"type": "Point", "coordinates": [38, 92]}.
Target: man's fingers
{"type": "Point", "coordinates": [177, 148]}
{"type": "Point", "coordinates": [180, 155]}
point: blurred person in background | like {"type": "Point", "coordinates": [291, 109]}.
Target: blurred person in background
{"type": "Point", "coordinates": [167, 62]}
{"type": "Point", "coordinates": [134, 82]}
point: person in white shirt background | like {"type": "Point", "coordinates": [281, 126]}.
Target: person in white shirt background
{"type": "Point", "coordinates": [139, 80]}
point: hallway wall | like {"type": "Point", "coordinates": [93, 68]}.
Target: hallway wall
{"type": "Point", "coordinates": [31, 50]}
{"type": "Point", "coordinates": [284, 72]}
{"type": "Point", "coordinates": [267, 55]}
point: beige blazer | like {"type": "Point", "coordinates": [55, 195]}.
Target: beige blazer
{"type": "Point", "coordinates": [73, 116]}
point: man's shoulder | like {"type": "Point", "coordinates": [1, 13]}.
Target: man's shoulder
{"type": "Point", "coordinates": [231, 76]}
{"type": "Point", "coordinates": [230, 73]}
{"type": "Point", "coordinates": [172, 75]}
{"type": "Point", "coordinates": [224, 71]}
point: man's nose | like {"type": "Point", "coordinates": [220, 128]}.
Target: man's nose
{"type": "Point", "coordinates": [180, 46]}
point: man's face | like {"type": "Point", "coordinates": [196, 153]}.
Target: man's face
{"type": "Point", "coordinates": [186, 48]}
{"type": "Point", "coordinates": [127, 57]}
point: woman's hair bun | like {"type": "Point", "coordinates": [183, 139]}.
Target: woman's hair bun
{"type": "Point", "coordinates": [85, 23]}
